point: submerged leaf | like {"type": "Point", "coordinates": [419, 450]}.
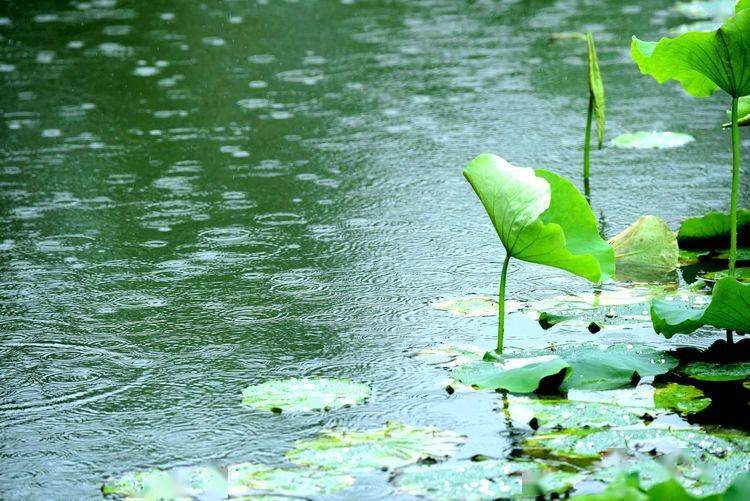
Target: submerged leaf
{"type": "Point", "coordinates": [703, 371]}
{"type": "Point", "coordinates": [305, 394]}
{"type": "Point", "coordinates": [648, 140]}
{"type": "Point", "coordinates": [701, 61]}
{"type": "Point", "coordinates": [522, 375]}
{"type": "Point", "coordinates": [596, 88]}
{"type": "Point", "coordinates": [729, 309]}
{"type": "Point", "coordinates": [645, 249]}
{"type": "Point", "coordinates": [481, 480]}
{"type": "Point", "coordinates": [681, 398]}
{"type": "Point", "coordinates": [541, 217]}
{"type": "Point", "coordinates": [475, 306]}
{"type": "Point", "coordinates": [392, 446]}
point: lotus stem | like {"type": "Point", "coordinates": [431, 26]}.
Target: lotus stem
{"type": "Point", "coordinates": [587, 150]}
{"type": "Point", "coordinates": [735, 196]}
{"type": "Point", "coordinates": [735, 186]}
{"type": "Point", "coordinates": [501, 306]}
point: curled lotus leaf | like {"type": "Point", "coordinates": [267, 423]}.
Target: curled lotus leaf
{"type": "Point", "coordinates": [702, 62]}
{"type": "Point", "coordinates": [516, 375]}
{"type": "Point", "coordinates": [305, 394]}
{"type": "Point", "coordinates": [712, 231]}
{"type": "Point", "coordinates": [596, 89]}
{"type": "Point", "coordinates": [729, 308]}
{"type": "Point", "coordinates": [541, 217]}
{"type": "Point", "coordinates": [645, 250]}
{"type": "Point", "coordinates": [392, 446]}
{"type": "Point", "coordinates": [482, 480]}
{"type": "Point", "coordinates": [651, 140]}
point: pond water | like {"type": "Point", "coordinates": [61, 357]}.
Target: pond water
{"type": "Point", "coordinates": [200, 196]}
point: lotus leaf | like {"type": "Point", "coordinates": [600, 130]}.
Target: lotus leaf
{"type": "Point", "coordinates": [703, 371]}
{"type": "Point", "coordinates": [305, 394]}
{"type": "Point", "coordinates": [729, 309]}
{"type": "Point", "coordinates": [651, 140]}
{"type": "Point", "coordinates": [682, 398]}
{"type": "Point", "coordinates": [475, 306]}
{"type": "Point", "coordinates": [547, 414]}
{"type": "Point", "coordinates": [713, 230]}
{"type": "Point", "coordinates": [392, 446]}
{"type": "Point", "coordinates": [541, 218]}
{"type": "Point", "coordinates": [521, 375]}
{"type": "Point", "coordinates": [645, 249]}
{"type": "Point", "coordinates": [481, 480]}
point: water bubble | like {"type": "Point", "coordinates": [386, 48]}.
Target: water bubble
{"type": "Point", "coordinates": [75, 44]}
{"type": "Point", "coordinates": [51, 133]}
{"type": "Point", "coordinates": [258, 84]}
{"type": "Point", "coordinates": [214, 41]}
{"type": "Point", "coordinates": [117, 30]}
{"type": "Point", "coordinates": [145, 71]}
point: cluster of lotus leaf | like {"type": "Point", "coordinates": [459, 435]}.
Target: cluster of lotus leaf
{"type": "Point", "coordinates": [585, 415]}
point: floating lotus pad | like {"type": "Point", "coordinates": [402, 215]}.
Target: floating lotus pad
{"type": "Point", "coordinates": [740, 274]}
{"type": "Point", "coordinates": [612, 307]}
{"type": "Point", "coordinates": [251, 479]}
{"type": "Point", "coordinates": [547, 414]}
{"type": "Point", "coordinates": [703, 371]}
{"type": "Point", "coordinates": [246, 479]}
{"type": "Point", "coordinates": [305, 394]}
{"type": "Point", "coordinates": [608, 368]}
{"type": "Point", "coordinates": [519, 375]}
{"type": "Point", "coordinates": [392, 446]}
{"type": "Point", "coordinates": [448, 355]}
{"type": "Point", "coordinates": [188, 482]}
{"type": "Point", "coordinates": [682, 398]}
{"type": "Point", "coordinates": [475, 306]}
{"type": "Point", "coordinates": [480, 480]}
{"type": "Point", "coordinates": [651, 140]}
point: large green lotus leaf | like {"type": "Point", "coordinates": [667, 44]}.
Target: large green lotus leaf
{"type": "Point", "coordinates": [642, 140]}
{"type": "Point", "coordinates": [482, 480]}
{"type": "Point", "coordinates": [742, 5]}
{"type": "Point", "coordinates": [305, 394]}
{"type": "Point", "coordinates": [729, 308]}
{"type": "Point", "coordinates": [740, 488]}
{"type": "Point", "coordinates": [682, 398]}
{"type": "Point", "coordinates": [541, 217]}
{"type": "Point", "coordinates": [645, 250]}
{"type": "Point", "coordinates": [392, 446]}
{"type": "Point", "coordinates": [548, 414]}
{"type": "Point", "coordinates": [701, 61]}
{"type": "Point", "coordinates": [249, 479]}
{"type": "Point", "coordinates": [179, 483]}
{"type": "Point", "coordinates": [516, 375]}
{"type": "Point", "coordinates": [616, 366]}
{"type": "Point", "coordinates": [712, 231]}
{"type": "Point", "coordinates": [703, 371]}
{"type": "Point", "coordinates": [475, 306]}
{"type": "Point", "coordinates": [596, 88]}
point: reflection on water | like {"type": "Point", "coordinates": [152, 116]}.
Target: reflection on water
{"type": "Point", "coordinates": [197, 196]}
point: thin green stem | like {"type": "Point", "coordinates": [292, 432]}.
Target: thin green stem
{"type": "Point", "coordinates": [735, 195]}
{"type": "Point", "coordinates": [735, 186]}
{"type": "Point", "coordinates": [501, 306]}
{"type": "Point", "coordinates": [587, 150]}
